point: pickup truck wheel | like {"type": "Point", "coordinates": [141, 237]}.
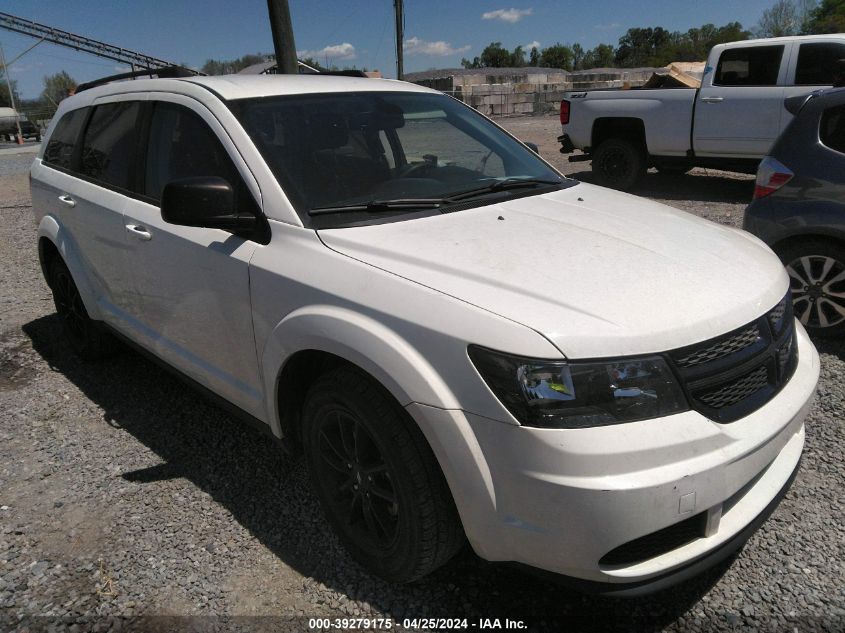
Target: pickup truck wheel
{"type": "Point", "coordinates": [619, 164]}
{"type": "Point", "coordinates": [817, 279]}
{"type": "Point", "coordinates": [86, 337]}
{"type": "Point", "coordinates": [378, 482]}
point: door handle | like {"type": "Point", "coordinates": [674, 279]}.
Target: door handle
{"type": "Point", "coordinates": [712, 99]}
{"type": "Point", "coordinates": [139, 231]}
{"type": "Point", "coordinates": [67, 200]}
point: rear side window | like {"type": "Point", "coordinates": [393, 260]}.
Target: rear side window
{"type": "Point", "coordinates": [183, 146]}
{"type": "Point", "coordinates": [817, 63]}
{"type": "Point", "coordinates": [59, 151]}
{"type": "Point", "coordinates": [108, 147]}
{"type": "Point", "coordinates": [749, 66]}
{"type": "Point", "coordinates": [832, 129]}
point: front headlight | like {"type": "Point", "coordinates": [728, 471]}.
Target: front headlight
{"type": "Point", "coordinates": [571, 395]}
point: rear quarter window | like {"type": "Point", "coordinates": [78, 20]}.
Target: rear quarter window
{"type": "Point", "coordinates": [832, 128]}
{"type": "Point", "coordinates": [60, 147]}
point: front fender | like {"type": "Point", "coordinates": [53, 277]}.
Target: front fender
{"type": "Point", "coordinates": [51, 229]}
{"type": "Point", "coordinates": [363, 341]}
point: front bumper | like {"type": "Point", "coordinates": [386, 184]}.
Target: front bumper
{"type": "Point", "coordinates": [562, 500]}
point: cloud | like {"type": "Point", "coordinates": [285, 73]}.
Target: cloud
{"type": "Point", "coordinates": [608, 27]}
{"type": "Point", "coordinates": [530, 45]}
{"type": "Point", "coordinates": [333, 52]}
{"type": "Point", "coordinates": [417, 46]}
{"type": "Point", "coordinates": [507, 15]}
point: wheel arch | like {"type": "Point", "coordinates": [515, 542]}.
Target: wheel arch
{"type": "Point", "coordinates": [820, 235]}
{"type": "Point", "coordinates": [54, 241]}
{"type": "Point", "coordinates": [314, 339]}
{"type": "Point", "coordinates": [628, 128]}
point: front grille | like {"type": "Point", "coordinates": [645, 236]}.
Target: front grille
{"type": "Point", "coordinates": [724, 347]}
{"type": "Point", "coordinates": [776, 315]}
{"type": "Point", "coordinates": [734, 391]}
{"type": "Point", "coordinates": [728, 377]}
{"type": "Point", "coordinates": [657, 543]}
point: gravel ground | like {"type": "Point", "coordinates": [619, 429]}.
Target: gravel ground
{"type": "Point", "coordinates": [129, 503]}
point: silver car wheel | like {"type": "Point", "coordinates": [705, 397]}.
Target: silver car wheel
{"type": "Point", "coordinates": [818, 290]}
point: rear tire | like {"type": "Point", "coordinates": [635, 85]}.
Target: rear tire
{"type": "Point", "coordinates": [85, 336]}
{"type": "Point", "coordinates": [817, 279]}
{"type": "Point", "coordinates": [378, 482]}
{"type": "Point", "coordinates": [619, 164]}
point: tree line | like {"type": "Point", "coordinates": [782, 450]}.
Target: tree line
{"type": "Point", "coordinates": [656, 46]}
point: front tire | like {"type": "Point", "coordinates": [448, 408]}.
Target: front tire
{"type": "Point", "coordinates": [817, 279]}
{"type": "Point", "coordinates": [619, 164]}
{"type": "Point", "coordinates": [86, 337]}
{"type": "Point", "coordinates": [376, 478]}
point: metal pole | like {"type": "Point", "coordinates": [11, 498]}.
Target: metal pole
{"type": "Point", "coordinates": [11, 93]}
{"type": "Point", "coordinates": [283, 42]}
{"type": "Point", "coordinates": [400, 37]}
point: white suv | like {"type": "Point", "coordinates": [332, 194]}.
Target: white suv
{"type": "Point", "coordinates": [463, 343]}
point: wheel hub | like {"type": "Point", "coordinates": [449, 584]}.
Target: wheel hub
{"type": "Point", "coordinates": [358, 479]}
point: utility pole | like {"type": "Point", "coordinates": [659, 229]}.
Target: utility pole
{"type": "Point", "coordinates": [400, 37]}
{"type": "Point", "coordinates": [11, 93]}
{"type": "Point", "coordinates": [283, 43]}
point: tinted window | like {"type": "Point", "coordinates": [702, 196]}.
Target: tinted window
{"type": "Point", "coordinates": [749, 66]}
{"type": "Point", "coordinates": [183, 146]}
{"type": "Point", "coordinates": [817, 63]}
{"type": "Point", "coordinates": [108, 146]}
{"type": "Point", "coordinates": [349, 149]}
{"type": "Point", "coordinates": [832, 130]}
{"type": "Point", "coordinates": [59, 152]}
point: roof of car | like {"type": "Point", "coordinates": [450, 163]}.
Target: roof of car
{"type": "Point", "coordinates": [781, 40]}
{"type": "Point", "coordinates": [247, 86]}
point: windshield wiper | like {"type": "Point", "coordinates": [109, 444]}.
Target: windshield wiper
{"type": "Point", "coordinates": [500, 185]}
{"type": "Point", "coordinates": [415, 204]}
{"type": "Point", "coordinates": [380, 206]}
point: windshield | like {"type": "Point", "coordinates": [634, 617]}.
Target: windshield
{"type": "Point", "coordinates": [349, 156]}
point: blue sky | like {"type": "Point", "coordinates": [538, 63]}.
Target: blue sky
{"type": "Point", "coordinates": [438, 33]}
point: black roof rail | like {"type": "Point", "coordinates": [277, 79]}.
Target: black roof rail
{"type": "Point", "coordinates": [344, 73]}
{"type": "Point", "coordinates": [166, 72]}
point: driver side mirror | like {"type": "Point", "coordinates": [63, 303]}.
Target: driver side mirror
{"type": "Point", "coordinates": [204, 202]}
{"type": "Point", "coordinates": [532, 146]}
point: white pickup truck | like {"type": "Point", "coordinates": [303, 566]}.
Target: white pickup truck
{"type": "Point", "coordinates": [730, 122]}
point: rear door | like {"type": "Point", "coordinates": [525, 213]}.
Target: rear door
{"type": "Point", "coordinates": [740, 104]}
{"type": "Point", "coordinates": [90, 176]}
{"type": "Point", "coordinates": [812, 67]}
{"type": "Point", "coordinates": [191, 298]}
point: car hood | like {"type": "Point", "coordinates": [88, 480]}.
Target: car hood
{"type": "Point", "coordinates": [597, 272]}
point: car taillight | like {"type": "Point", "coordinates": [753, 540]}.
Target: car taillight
{"type": "Point", "coordinates": [771, 176]}
{"type": "Point", "coordinates": [564, 112]}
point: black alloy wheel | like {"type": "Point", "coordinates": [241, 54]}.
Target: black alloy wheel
{"type": "Point", "coordinates": [69, 306]}
{"type": "Point", "coordinates": [357, 478]}
{"type": "Point", "coordinates": [377, 480]}
{"type": "Point", "coordinates": [85, 336]}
